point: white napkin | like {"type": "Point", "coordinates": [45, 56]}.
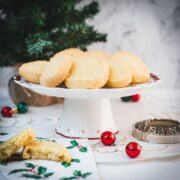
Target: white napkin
{"type": "Point", "coordinates": [82, 167]}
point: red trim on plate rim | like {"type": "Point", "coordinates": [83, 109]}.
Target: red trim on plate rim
{"type": "Point", "coordinates": [71, 137]}
{"type": "Point", "coordinates": [155, 77]}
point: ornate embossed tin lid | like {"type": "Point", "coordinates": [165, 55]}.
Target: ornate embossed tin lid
{"type": "Point", "coordinates": [160, 131]}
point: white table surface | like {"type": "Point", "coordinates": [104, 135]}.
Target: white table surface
{"type": "Point", "coordinates": [154, 104]}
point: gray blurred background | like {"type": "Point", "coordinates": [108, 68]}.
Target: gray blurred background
{"type": "Point", "coordinates": [148, 28]}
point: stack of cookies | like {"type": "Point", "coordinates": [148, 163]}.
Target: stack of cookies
{"type": "Point", "coordinates": [33, 149]}
{"type": "Point", "coordinates": [87, 70]}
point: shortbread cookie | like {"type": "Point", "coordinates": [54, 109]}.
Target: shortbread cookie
{"type": "Point", "coordinates": [56, 71]}
{"type": "Point", "coordinates": [10, 147]}
{"type": "Point", "coordinates": [46, 150]}
{"type": "Point", "coordinates": [88, 72]}
{"type": "Point", "coordinates": [31, 71]}
{"type": "Point", "coordinates": [120, 76]}
{"type": "Point", "coordinates": [70, 51]}
{"type": "Point", "coordinates": [140, 72]}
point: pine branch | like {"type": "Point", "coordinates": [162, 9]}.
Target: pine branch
{"type": "Point", "coordinates": [37, 29]}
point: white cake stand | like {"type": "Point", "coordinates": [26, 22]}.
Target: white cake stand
{"type": "Point", "coordinates": [87, 113]}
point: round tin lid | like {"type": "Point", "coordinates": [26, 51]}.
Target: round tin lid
{"type": "Point", "coordinates": [160, 131]}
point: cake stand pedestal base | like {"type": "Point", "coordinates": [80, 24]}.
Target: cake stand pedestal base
{"type": "Point", "coordinates": [86, 118]}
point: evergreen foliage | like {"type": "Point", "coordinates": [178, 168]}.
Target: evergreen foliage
{"type": "Point", "coordinates": [36, 29]}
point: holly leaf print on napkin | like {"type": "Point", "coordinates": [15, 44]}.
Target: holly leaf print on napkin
{"type": "Point", "coordinates": [48, 174]}
{"type": "Point", "coordinates": [30, 165]}
{"type": "Point", "coordinates": [77, 174]}
{"type": "Point", "coordinates": [33, 176]}
{"type": "Point", "coordinates": [33, 171]}
{"type": "Point", "coordinates": [3, 133]}
{"type": "Point", "coordinates": [74, 144]}
{"type": "Point", "coordinates": [69, 164]}
{"type": "Point", "coordinates": [17, 170]}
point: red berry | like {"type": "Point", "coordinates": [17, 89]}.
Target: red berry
{"type": "Point", "coordinates": [135, 97]}
{"type": "Point", "coordinates": [108, 138]}
{"type": "Point", "coordinates": [7, 111]}
{"type": "Point", "coordinates": [133, 149]}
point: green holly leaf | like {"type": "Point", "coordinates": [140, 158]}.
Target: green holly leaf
{"type": "Point", "coordinates": [83, 149]}
{"type": "Point", "coordinates": [33, 176]}
{"type": "Point", "coordinates": [75, 160]}
{"type": "Point", "coordinates": [3, 133]}
{"type": "Point", "coordinates": [66, 164]}
{"type": "Point", "coordinates": [74, 143]}
{"type": "Point", "coordinates": [30, 165]}
{"type": "Point", "coordinates": [69, 164]}
{"type": "Point", "coordinates": [68, 178]}
{"type": "Point", "coordinates": [48, 174]}
{"type": "Point", "coordinates": [42, 170]}
{"type": "Point", "coordinates": [70, 147]}
{"type": "Point", "coordinates": [85, 175]}
{"type": "Point", "coordinates": [17, 170]}
{"type": "Point", "coordinates": [77, 173]}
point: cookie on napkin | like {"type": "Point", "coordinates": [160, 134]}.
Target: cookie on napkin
{"type": "Point", "coordinates": [139, 71]}
{"type": "Point", "coordinates": [32, 71]}
{"type": "Point", "coordinates": [10, 147]}
{"type": "Point", "coordinates": [46, 150]}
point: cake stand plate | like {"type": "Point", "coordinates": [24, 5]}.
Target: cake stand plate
{"type": "Point", "coordinates": [87, 113]}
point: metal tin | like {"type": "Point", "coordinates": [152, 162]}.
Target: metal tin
{"type": "Point", "coordinates": [160, 131]}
